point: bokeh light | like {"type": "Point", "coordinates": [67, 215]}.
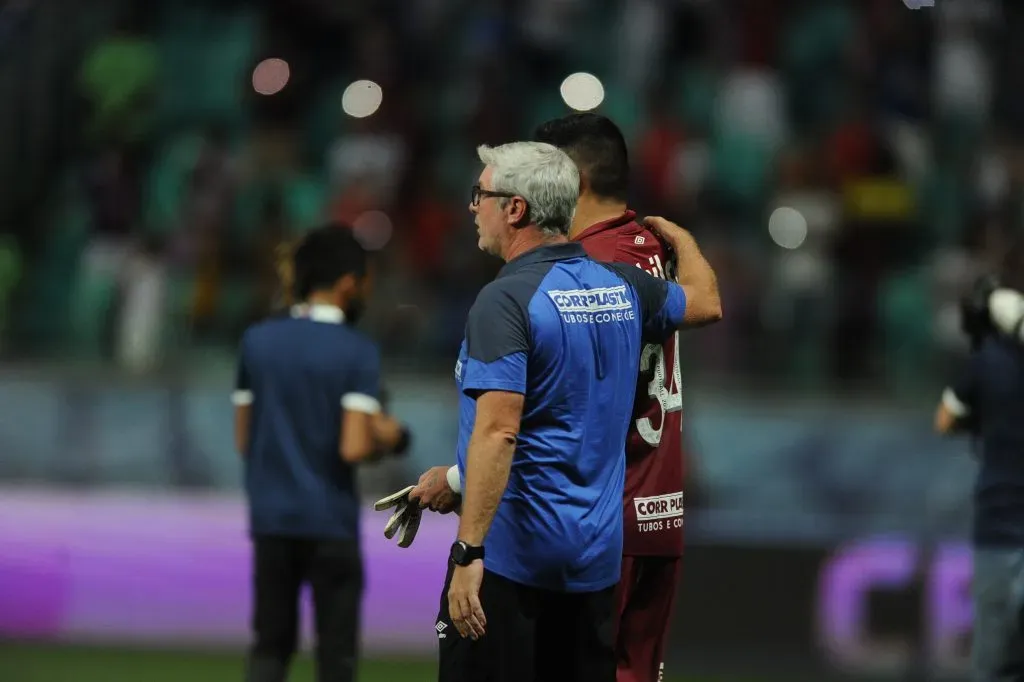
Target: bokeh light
{"type": "Point", "coordinates": [361, 99]}
{"type": "Point", "coordinates": [582, 91]}
{"type": "Point", "coordinates": [373, 229]}
{"type": "Point", "coordinates": [787, 227]}
{"type": "Point", "coordinates": [271, 76]}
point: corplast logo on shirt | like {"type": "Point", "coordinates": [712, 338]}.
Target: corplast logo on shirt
{"type": "Point", "coordinates": [659, 512]}
{"type": "Point", "coordinates": [593, 306]}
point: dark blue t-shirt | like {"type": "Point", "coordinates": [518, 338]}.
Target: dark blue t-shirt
{"type": "Point", "coordinates": [299, 372]}
{"type": "Point", "coordinates": [991, 391]}
{"type": "Point", "coordinates": [565, 331]}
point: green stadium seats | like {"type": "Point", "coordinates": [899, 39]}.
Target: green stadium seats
{"type": "Point", "coordinates": [740, 168]}
{"type": "Point", "coordinates": [906, 314]}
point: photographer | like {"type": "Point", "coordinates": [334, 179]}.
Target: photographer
{"type": "Point", "coordinates": [988, 402]}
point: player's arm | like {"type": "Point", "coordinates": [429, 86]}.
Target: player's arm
{"type": "Point", "coordinates": [955, 412]}
{"type": "Point", "coordinates": [242, 399]}
{"type": "Point", "coordinates": [360, 407]}
{"type": "Point", "coordinates": [701, 301]}
{"type": "Point", "coordinates": [390, 436]}
{"type": "Point", "coordinates": [497, 336]}
{"type": "Point", "coordinates": [1006, 308]}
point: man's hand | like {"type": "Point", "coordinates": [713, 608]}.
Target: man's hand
{"type": "Point", "coordinates": [432, 491]}
{"type": "Point", "coordinates": [673, 234]}
{"type": "Point", "coordinates": [464, 606]}
{"type": "Point", "coordinates": [693, 273]}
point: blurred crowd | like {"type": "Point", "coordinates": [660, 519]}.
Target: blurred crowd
{"type": "Point", "coordinates": [848, 166]}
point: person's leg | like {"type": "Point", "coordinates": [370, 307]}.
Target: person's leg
{"type": "Point", "coordinates": [623, 596]}
{"type": "Point", "coordinates": [335, 572]}
{"type": "Point", "coordinates": [997, 651]}
{"type": "Point", "coordinates": [576, 637]}
{"type": "Point", "coordinates": [645, 612]}
{"type": "Point", "coordinates": [277, 578]}
{"type": "Point", "coordinates": [506, 651]}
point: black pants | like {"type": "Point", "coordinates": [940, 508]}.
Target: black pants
{"type": "Point", "coordinates": [334, 571]}
{"type": "Point", "coordinates": [532, 635]}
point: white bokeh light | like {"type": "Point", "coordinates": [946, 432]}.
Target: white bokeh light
{"type": "Point", "coordinates": [373, 229]}
{"type": "Point", "coordinates": [582, 91]}
{"type": "Point", "coordinates": [787, 227]}
{"type": "Point", "coordinates": [270, 76]}
{"type": "Point", "coordinates": [361, 99]}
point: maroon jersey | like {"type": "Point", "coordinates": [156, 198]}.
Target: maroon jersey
{"type": "Point", "coordinates": [653, 501]}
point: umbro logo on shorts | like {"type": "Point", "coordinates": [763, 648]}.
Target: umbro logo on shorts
{"type": "Point", "coordinates": [440, 627]}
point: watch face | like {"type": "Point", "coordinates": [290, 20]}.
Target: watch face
{"type": "Point", "coordinates": [458, 552]}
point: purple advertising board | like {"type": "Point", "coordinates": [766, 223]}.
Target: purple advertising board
{"type": "Point", "coordinates": [152, 569]}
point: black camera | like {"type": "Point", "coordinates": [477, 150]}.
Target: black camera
{"type": "Point", "coordinates": [975, 318]}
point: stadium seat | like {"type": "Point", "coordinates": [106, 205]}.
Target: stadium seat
{"type": "Point", "coordinates": [740, 169]}
{"type": "Point", "coordinates": [168, 183]}
{"type": "Point", "coordinates": [10, 275]}
{"type": "Point", "coordinates": [94, 296]}
{"type": "Point", "coordinates": [52, 279]}
{"type": "Point", "coordinates": [906, 312]}
{"type": "Point", "coordinates": [305, 197]}
{"type": "Point", "coordinates": [203, 53]}
{"type": "Point", "coordinates": [694, 96]}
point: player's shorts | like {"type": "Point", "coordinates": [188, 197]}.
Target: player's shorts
{"type": "Point", "coordinates": [532, 635]}
{"type": "Point", "coordinates": [645, 597]}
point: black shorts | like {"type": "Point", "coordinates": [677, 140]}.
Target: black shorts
{"type": "Point", "coordinates": [532, 635]}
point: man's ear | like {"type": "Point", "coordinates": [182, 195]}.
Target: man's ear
{"type": "Point", "coordinates": [520, 216]}
{"type": "Point", "coordinates": [346, 287]}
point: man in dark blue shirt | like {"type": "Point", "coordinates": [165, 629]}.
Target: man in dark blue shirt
{"type": "Point", "coordinates": [546, 376]}
{"type": "Point", "coordinates": [988, 401]}
{"type": "Point", "coordinates": [307, 410]}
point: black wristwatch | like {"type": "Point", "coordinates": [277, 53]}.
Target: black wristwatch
{"type": "Point", "coordinates": [463, 554]}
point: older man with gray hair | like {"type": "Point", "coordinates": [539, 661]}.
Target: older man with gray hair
{"type": "Point", "coordinates": [546, 377]}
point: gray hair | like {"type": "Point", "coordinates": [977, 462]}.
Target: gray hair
{"type": "Point", "coordinates": [540, 173]}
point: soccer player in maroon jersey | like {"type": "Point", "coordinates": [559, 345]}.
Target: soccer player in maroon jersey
{"type": "Point", "coordinates": [653, 500]}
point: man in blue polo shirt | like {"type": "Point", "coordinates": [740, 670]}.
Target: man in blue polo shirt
{"type": "Point", "coordinates": [988, 401]}
{"type": "Point", "coordinates": [308, 410]}
{"type": "Point", "coordinates": [546, 374]}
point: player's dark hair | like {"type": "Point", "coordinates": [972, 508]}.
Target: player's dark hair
{"type": "Point", "coordinates": [324, 256]}
{"type": "Point", "coordinates": [598, 148]}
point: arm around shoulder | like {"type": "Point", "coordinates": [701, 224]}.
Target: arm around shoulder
{"type": "Point", "coordinates": [693, 273]}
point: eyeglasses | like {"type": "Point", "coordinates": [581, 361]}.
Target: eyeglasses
{"type": "Point", "coordinates": [480, 193]}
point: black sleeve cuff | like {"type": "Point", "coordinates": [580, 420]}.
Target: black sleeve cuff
{"type": "Point", "coordinates": [402, 446]}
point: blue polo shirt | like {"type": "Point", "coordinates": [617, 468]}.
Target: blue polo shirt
{"type": "Point", "coordinates": [299, 372]}
{"type": "Point", "coordinates": [566, 332]}
{"type": "Point", "coordinates": [991, 391]}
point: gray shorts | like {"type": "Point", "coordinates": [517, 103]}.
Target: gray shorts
{"type": "Point", "coordinates": [997, 653]}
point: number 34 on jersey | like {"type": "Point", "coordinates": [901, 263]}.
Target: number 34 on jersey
{"type": "Point", "coordinates": [666, 382]}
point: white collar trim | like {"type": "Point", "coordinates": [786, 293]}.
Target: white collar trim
{"type": "Point", "coordinates": [319, 312]}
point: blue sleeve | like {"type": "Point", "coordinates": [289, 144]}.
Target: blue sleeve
{"type": "Point", "coordinates": [497, 342]}
{"type": "Point", "coordinates": [662, 303]}
{"type": "Point", "coordinates": [363, 388]}
{"type": "Point", "coordinates": [242, 394]}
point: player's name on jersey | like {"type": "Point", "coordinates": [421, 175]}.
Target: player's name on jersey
{"type": "Point", "coordinates": [654, 267]}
